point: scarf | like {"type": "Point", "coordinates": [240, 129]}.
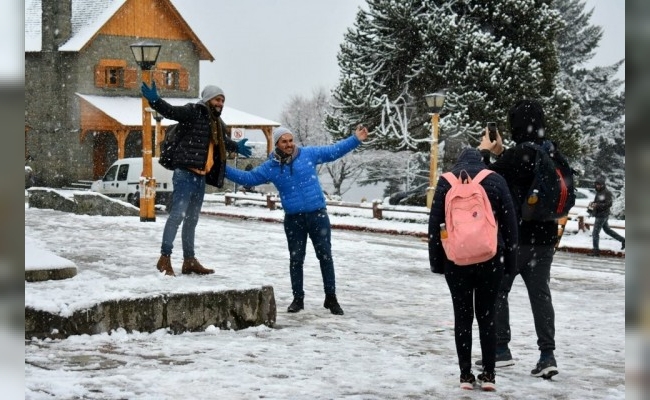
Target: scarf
{"type": "Point", "coordinates": [217, 132]}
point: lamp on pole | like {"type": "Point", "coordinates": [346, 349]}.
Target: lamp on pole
{"type": "Point", "coordinates": [435, 101]}
{"type": "Point", "coordinates": [146, 54]}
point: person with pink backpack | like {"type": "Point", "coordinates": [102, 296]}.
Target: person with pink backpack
{"type": "Point", "coordinates": [473, 242]}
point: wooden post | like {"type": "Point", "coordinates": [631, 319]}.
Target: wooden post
{"type": "Point", "coordinates": [147, 181]}
{"type": "Point", "coordinates": [376, 210]}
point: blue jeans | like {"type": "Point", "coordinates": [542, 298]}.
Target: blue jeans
{"type": "Point", "coordinates": [534, 263]}
{"type": "Point", "coordinates": [317, 226]}
{"type": "Point", "coordinates": [187, 199]}
{"type": "Point", "coordinates": [601, 223]}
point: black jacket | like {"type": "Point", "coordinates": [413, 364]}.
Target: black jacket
{"type": "Point", "coordinates": [497, 191]}
{"type": "Point", "coordinates": [516, 165]}
{"type": "Point", "coordinates": [195, 131]}
{"type": "Point", "coordinates": [602, 203]}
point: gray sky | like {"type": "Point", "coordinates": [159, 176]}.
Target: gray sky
{"type": "Point", "coordinates": [268, 51]}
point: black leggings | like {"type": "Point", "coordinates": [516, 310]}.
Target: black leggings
{"type": "Point", "coordinates": [475, 286]}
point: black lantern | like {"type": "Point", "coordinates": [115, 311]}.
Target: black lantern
{"type": "Point", "coordinates": [435, 101]}
{"type": "Point", "coordinates": [145, 53]}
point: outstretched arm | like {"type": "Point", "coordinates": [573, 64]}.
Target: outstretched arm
{"type": "Point", "coordinates": [253, 177]}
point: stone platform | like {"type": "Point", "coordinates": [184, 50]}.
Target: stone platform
{"type": "Point", "coordinates": [185, 312]}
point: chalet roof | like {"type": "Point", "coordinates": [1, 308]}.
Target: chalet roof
{"type": "Point", "coordinates": [128, 111]}
{"type": "Point", "coordinates": [88, 17]}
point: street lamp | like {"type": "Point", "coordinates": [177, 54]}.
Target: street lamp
{"type": "Point", "coordinates": [146, 54]}
{"type": "Point", "coordinates": [435, 101]}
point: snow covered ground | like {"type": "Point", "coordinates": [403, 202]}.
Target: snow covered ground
{"type": "Point", "coordinates": [395, 340]}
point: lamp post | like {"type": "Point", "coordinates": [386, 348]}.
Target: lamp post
{"type": "Point", "coordinates": [158, 131]}
{"type": "Point", "coordinates": [435, 101]}
{"type": "Point", "coordinates": [146, 54]}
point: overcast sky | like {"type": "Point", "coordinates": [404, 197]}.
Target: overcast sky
{"type": "Point", "coordinates": [268, 51]}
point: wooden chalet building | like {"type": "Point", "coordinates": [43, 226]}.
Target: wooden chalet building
{"type": "Point", "coordinates": [83, 105]}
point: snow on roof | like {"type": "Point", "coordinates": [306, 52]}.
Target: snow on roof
{"type": "Point", "coordinates": [33, 15]}
{"type": "Point", "coordinates": [128, 111]}
{"type": "Point", "coordinates": [88, 16]}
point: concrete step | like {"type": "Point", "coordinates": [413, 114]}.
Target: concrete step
{"type": "Point", "coordinates": [180, 312]}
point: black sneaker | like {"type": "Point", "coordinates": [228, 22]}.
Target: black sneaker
{"type": "Point", "coordinates": [467, 381]}
{"type": "Point", "coordinates": [296, 305]}
{"type": "Point", "coordinates": [503, 359]}
{"type": "Point", "coordinates": [333, 304]}
{"type": "Point", "coordinates": [546, 368]}
{"type": "Point", "coordinates": [487, 381]}
{"type": "Point", "coordinates": [594, 253]}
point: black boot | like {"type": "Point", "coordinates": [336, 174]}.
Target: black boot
{"type": "Point", "coordinates": [594, 253]}
{"type": "Point", "coordinates": [332, 304]}
{"type": "Point", "coordinates": [297, 304]}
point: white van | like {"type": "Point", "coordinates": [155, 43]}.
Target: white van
{"type": "Point", "coordinates": [122, 181]}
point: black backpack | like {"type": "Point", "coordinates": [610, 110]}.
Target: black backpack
{"type": "Point", "coordinates": [553, 185]}
{"type": "Point", "coordinates": [168, 146]}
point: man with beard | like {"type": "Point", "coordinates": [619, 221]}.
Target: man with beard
{"type": "Point", "coordinates": [199, 158]}
{"type": "Point", "coordinates": [293, 171]}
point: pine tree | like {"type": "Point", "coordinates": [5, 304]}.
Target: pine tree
{"type": "Point", "coordinates": [487, 54]}
{"type": "Point", "coordinates": [596, 93]}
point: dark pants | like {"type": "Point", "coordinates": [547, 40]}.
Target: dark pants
{"type": "Point", "coordinates": [317, 226]}
{"type": "Point", "coordinates": [534, 264]}
{"type": "Point", "coordinates": [601, 223]}
{"type": "Point", "coordinates": [475, 286]}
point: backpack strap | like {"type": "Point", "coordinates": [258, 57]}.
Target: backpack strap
{"type": "Point", "coordinates": [451, 178]}
{"type": "Point", "coordinates": [482, 174]}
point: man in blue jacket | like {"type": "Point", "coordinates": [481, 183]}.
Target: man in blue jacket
{"type": "Point", "coordinates": [292, 170]}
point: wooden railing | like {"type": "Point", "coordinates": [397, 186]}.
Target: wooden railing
{"type": "Point", "coordinates": [378, 208]}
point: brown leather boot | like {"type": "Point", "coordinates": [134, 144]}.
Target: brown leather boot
{"type": "Point", "coordinates": [165, 265]}
{"type": "Point", "coordinates": [192, 265]}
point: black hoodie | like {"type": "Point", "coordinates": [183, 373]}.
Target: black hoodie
{"type": "Point", "coordinates": [517, 164]}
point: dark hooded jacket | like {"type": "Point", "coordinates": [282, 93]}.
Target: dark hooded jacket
{"type": "Point", "coordinates": [495, 186]}
{"type": "Point", "coordinates": [517, 164]}
{"type": "Point", "coordinates": [195, 131]}
{"type": "Point", "coordinates": [603, 200]}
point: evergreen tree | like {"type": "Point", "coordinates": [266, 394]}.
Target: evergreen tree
{"type": "Point", "coordinates": [487, 54]}
{"type": "Point", "coordinates": [596, 93]}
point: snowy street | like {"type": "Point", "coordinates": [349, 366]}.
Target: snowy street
{"type": "Point", "coordinates": [395, 340]}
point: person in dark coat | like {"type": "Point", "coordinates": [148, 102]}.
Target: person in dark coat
{"type": "Point", "coordinates": [199, 158]}
{"type": "Point", "coordinates": [537, 239]}
{"type": "Point", "coordinates": [475, 286]}
{"type": "Point", "coordinates": [600, 209]}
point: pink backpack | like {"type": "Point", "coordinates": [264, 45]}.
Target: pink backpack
{"type": "Point", "coordinates": [471, 228]}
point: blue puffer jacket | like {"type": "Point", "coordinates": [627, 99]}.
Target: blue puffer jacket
{"type": "Point", "coordinates": [296, 182]}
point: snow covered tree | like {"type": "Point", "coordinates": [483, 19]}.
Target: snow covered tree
{"type": "Point", "coordinates": [596, 93]}
{"type": "Point", "coordinates": [487, 54]}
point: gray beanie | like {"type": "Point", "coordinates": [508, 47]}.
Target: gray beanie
{"type": "Point", "coordinates": [210, 92]}
{"type": "Point", "coordinates": [279, 131]}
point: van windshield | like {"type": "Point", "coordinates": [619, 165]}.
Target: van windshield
{"type": "Point", "coordinates": [110, 174]}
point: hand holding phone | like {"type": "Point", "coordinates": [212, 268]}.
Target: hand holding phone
{"type": "Point", "coordinates": [492, 129]}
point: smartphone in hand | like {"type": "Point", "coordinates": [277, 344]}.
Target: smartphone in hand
{"type": "Point", "coordinates": [492, 129]}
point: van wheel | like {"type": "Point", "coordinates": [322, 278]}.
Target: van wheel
{"type": "Point", "coordinates": [135, 199]}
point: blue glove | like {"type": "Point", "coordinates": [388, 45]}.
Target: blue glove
{"type": "Point", "coordinates": [243, 149]}
{"type": "Point", "coordinates": [150, 93]}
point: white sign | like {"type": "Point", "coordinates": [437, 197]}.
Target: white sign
{"type": "Point", "coordinates": [238, 134]}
